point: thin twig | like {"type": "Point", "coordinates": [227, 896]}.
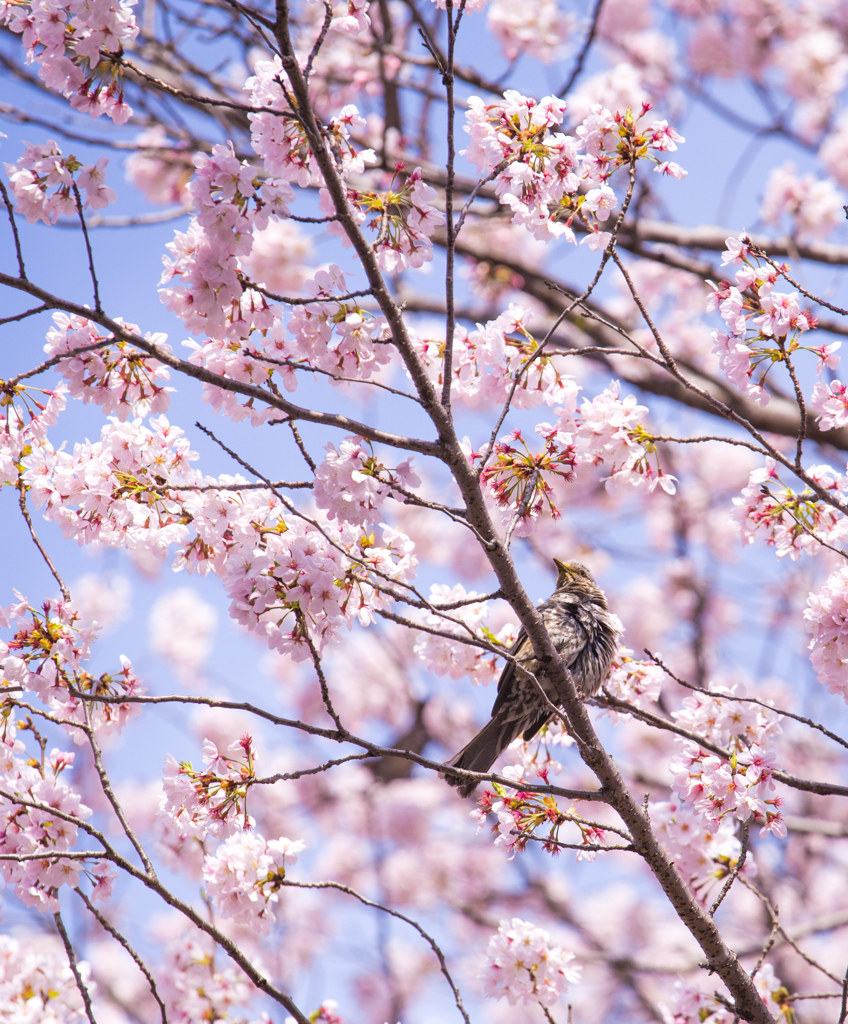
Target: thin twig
{"type": "Point", "coordinates": [747, 700]}
{"type": "Point", "coordinates": [319, 42]}
{"type": "Point", "coordinates": [584, 50]}
{"type": "Point", "coordinates": [88, 249]}
{"type": "Point", "coordinates": [734, 874]}
{"type": "Point", "coordinates": [18, 317]}
{"type": "Point", "coordinates": [107, 926]}
{"type": "Point", "coordinates": [10, 210]}
{"type": "Point", "coordinates": [322, 679]}
{"type": "Point", "coordinates": [450, 248]}
{"type": "Point", "coordinates": [66, 594]}
{"type": "Point", "coordinates": [401, 917]}
{"type": "Point", "coordinates": [108, 792]}
{"type": "Point", "coordinates": [72, 962]}
{"type": "Point", "coordinates": [307, 458]}
{"type": "Point", "coordinates": [317, 770]}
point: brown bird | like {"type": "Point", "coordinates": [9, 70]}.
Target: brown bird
{"type": "Point", "coordinates": [585, 635]}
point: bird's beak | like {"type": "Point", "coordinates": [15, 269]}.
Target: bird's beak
{"type": "Point", "coordinates": [561, 566]}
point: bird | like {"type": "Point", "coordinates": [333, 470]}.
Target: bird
{"type": "Point", "coordinates": [585, 634]}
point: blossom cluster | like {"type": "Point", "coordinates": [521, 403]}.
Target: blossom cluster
{"type": "Point", "coordinates": [203, 282]}
{"type": "Point", "coordinates": [500, 360]}
{"type": "Point", "coordinates": [111, 373]}
{"type": "Point", "coordinates": [107, 490]}
{"type": "Point", "coordinates": [704, 854]}
{"type": "Point", "coordinates": [38, 984]}
{"type": "Point", "coordinates": [335, 335]}
{"type": "Point", "coordinates": [46, 184]}
{"type": "Point", "coordinates": [455, 658]}
{"type": "Point", "coordinates": [613, 435]}
{"type": "Point", "coordinates": [634, 682]}
{"type": "Point", "coordinates": [78, 45]}
{"type": "Point", "coordinates": [814, 206]}
{"type": "Point", "coordinates": [350, 16]}
{"type": "Point", "coordinates": [538, 28]}
{"type": "Point", "coordinates": [539, 170]}
{"type": "Point", "coordinates": [39, 816]}
{"type": "Point", "coordinates": [524, 965]}
{"type": "Point", "coordinates": [404, 219]}
{"type": "Point", "coordinates": [794, 523]}
{"type": "Point", "coordinates": [160, 169]}
{"type": "Point", "coordinates": [46, 655]}
{"type": "Point", "coordinates": [522, 814]}
{"type": "Point", "coordinates": [212, 801]}
{"type": "Point", "coordinates": [195, 984]}
{"type": "Point", "coordinates": [695, 1007]}
{"type": "Point", "coordinates": [831, 403]}
{"type": "Point", "coordinates": [517, 478]}
{"type": "Point", "coordinates": [740, 785]}
{"type": "Point", "coordinates": [605, 431]}
{"type": "Point", "coordinates": [328, 335]}
{"type": "Point", "coordinates": [279, 138]}
{"type": "Point", "coordinates": [244, 876]}
{"type": "Point", "coordinates": [352, 484]}
{"type": "Point", "coordinates": [826, 619]}
{"type": "Point", "coordinates": [24, 423]}
{"type": "Point", "coordinates": [207, 283]}
{"type": "Point", "coordinates": [135, 489]}
{"type": "Point", "coordinates": [764, 325]}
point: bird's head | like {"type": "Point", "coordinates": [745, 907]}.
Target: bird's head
{"type": "Point", "coordinates": [570, 574]}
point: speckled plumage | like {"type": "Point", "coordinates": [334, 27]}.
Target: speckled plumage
{"type": "Point", "coordinates": [585, 635]}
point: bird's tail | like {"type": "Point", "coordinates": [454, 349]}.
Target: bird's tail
{"type": "Point", "coordinates": [481, 753]}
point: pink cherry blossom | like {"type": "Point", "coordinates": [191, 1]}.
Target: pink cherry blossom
{"type": "Point", "coordinates": [826, 619]}
{"type": "Point", "coordinates": [242, 877]}
{"type": "Point", "coordinates": [831, 402]}
{"type": "Point", "coordinates": [523, 965]}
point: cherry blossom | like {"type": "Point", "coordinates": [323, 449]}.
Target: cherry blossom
{"type": "Point", "coordinates": [610, 428]}
{"type": "Point", "coordinates": [635, 682]}
{"type": "Point", "coordinates": [36, 827]}
{"type": "Point", "coordinates": [499, 360]}
{"type": "Point", "coordinates": [43, 182]}
{"type": "Point", "coordinates": [765, 325]}
{"type": "Point", "coordinates": [794, 523]}
{"type": "Point", "coordinates": [831, 402]}
{"type": "Point", "coordinates": [160, 168]}
{"type": "Point", "coordinates": [37, 981]}
{"type": "Point", "coordinates": [352, 484]}
{"type": "Point", "coordinates": [194, 983]}
{"type": "Point", "coordinates": [47, 655]}
{"type": "Point", "coordinates": [182, 627]}
{"type": "Point", "coordinates": [243, 877]}
{"type": "Point", "coordinates": [814, 206]}
{"type": "Point", "coordinates": [454, 658]}
{"type": "Point", "coordinates": [212, 801]}
{"type": "Point", "coordinates": [68, 39]}
{"type": "Point", "coordinates": [523, 965]}
{"type": "Point", "coordinates": [539, 29]}
{"type": "Point", "coordinates": [715, 788]}
{"type": "Point", "coordinates": [375, 566]}
{"type": "Point", "coordinates": [518, 478]}
{"type": "Point", "coordinates": [826, 619]}
{"type": "Point", "coordinates": [404, 220]}
{"type": "Point", "coordinates": [114, 376]}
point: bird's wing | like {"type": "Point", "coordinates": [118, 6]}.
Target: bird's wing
{"type": "Point", "coordinates": [508, 673]}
